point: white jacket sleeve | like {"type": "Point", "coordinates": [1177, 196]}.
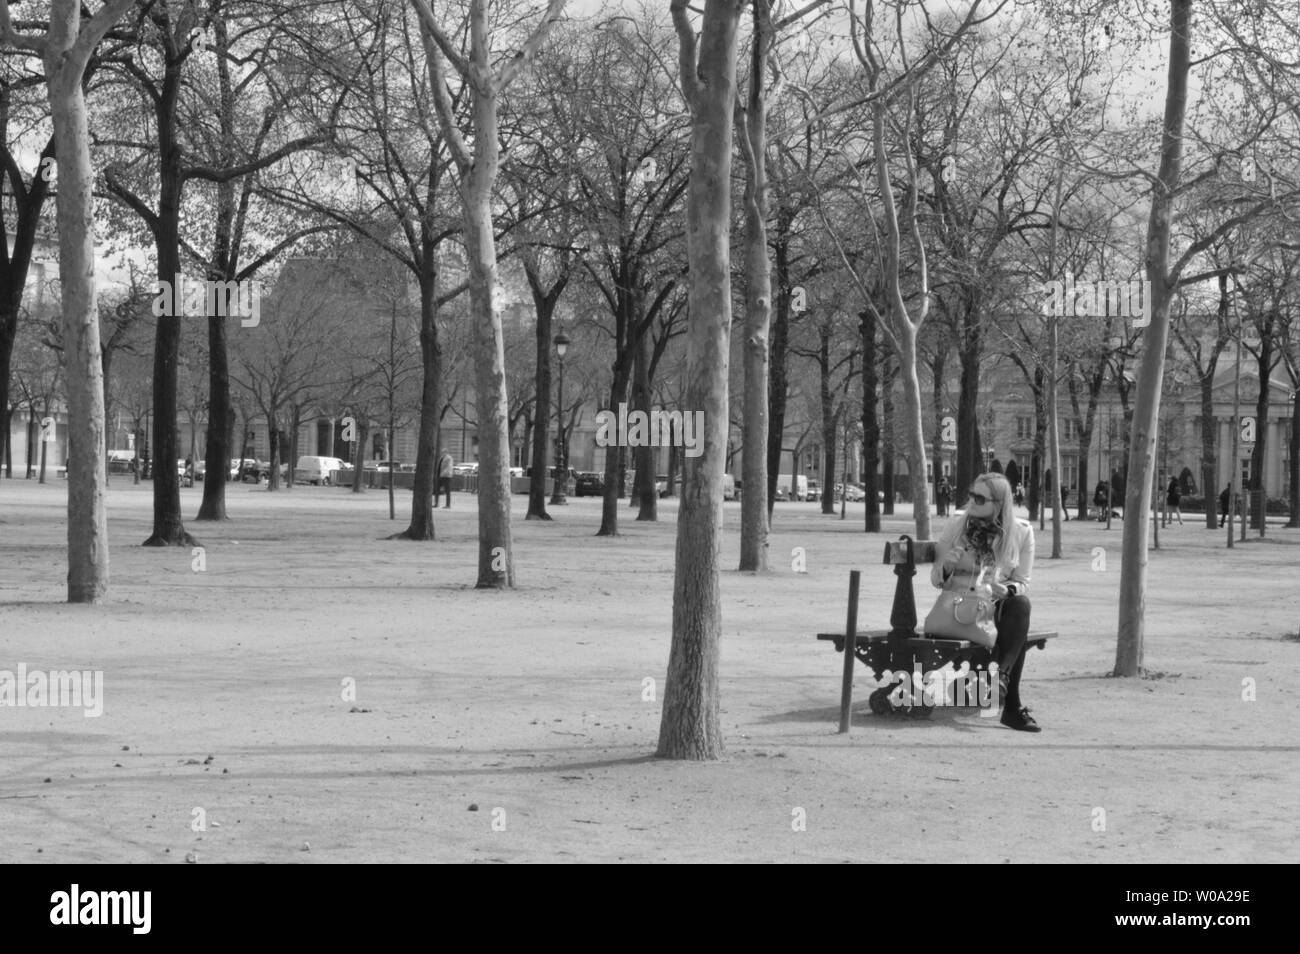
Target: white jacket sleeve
{"type": "Point", "coordinates": [947, 540]}
{"type": "Point", "coordinates": [1025, 567]}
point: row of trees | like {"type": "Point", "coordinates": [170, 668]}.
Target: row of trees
{"type": "Point", "coordinates": [908, 184]}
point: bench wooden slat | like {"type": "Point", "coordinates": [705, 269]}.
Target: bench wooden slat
{"type": "Point", "coordinates": [923, 642]}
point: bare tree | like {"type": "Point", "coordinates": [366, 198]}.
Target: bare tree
{"type": "Point", "coordinates": [66, 49]}
{"type": "Point", "coordinates": [690, 727]}
{"type": "Point", "coordinates": [477, 167]}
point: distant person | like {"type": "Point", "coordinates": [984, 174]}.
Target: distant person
{"type": "Point", "coordinates": [1223, 504]}
{"type": "Point", "coordinates": [944, 495]}
{"type": "Point", "coordinates": [1019, 496]}
{"type": "Point", "coordinates": [1172, 497]}
{"type": "Point", "coordinates": [445, 464]}
{"type": "Point", "coordinates": [1100, 497]}
{"type": "Point", "coordinates": [1065, 502]}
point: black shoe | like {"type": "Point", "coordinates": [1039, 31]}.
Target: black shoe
{"type": "Point", "coordinates": [1020, 720]}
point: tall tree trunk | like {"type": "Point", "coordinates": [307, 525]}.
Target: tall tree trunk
{"type": "Point", "coordinates": [496, 567]}
{"type": "Point", "coordinates": [427, 448]}
{"type": "Point", "coordinates": [778, 384]}
{"type": "Point", "coordinates": [66, 52]}
{"type": "Point", "coordinates": [937, 365]}
{"type": "Point", "coordinates": [273, 435]}
{"type": "Point", "coordinates": [830, 418]}
{"type": "Point", "coordinates": [915, 431]}
{"type": "Point", "coordinates": [44, 442]}
{"type": "Point", "coordinates": [1259, 453]}
{"type": "Point", "coordinates": [220, 423]}
{"type": "Point", "coordinates": [541, 434]}
{"type": "Point", "coordinates": [614, 467]}
{"type": "Point", "coordinates": [645, 496]}
{"type": "Point", "coordinates": [1293, 475]}
{"type": "Point", "coordinates": [1209, 423]}
{"type": "Point", "coordinates": [293, 443]}
{"type": "Point", "coordinates": [8, 438]}
{"type": "Point", "coordinates": [1137, 502]}
{"type": "Point", "coordinates": [870, 423]}
{"type": "Point", "coordinates": [970, 457]}
{"type": "Point", "coordinates": [1037, 497]}
{"type": "Point", "coordinates": [168, 525]}
{"type": "Point", "coordinates": [887, 434]}
{"type": "Point", "coordinates": [758, 304]}
{"type": "Point", "coordinates": [359, 454]}
{"type": "Point", "coordinates": [690, 727]}
{"type": "Point", "coordinates": [217, 446]}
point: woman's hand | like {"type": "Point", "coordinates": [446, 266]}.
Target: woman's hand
{"type": "Point", "coordinates": [999, 590]}
{"type": "Point", "coordinates": [953, 557]}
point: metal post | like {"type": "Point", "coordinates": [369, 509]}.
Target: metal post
{"type": "Point", "coordinates": [1236, 436]}
{"type": "Point", "coordinates": [850, 652]}
{"type": "Point", "coordinates": [557, 492]}
{"type": "Point", "coordinates": [1110, 459]}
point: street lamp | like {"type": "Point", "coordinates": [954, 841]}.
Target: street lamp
{"type": "Point", "coordinates": [558, 497]}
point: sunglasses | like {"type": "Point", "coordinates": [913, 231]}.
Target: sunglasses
{"type": "Point", "coordinates": [979, 499]}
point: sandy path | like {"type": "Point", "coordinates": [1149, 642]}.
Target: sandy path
{"type": "Point", "coordinates": [530, 703]}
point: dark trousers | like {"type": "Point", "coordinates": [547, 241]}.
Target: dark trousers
{"type": "Point", "coordinates": [444, 486]}
{"type": "Point", "coordinates": [1012, 620]}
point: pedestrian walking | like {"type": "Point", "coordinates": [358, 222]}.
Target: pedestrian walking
{"type": "Point", "coordinates": [445, 465]}
{"type": "Point", "coordinates": [1223, 504]}
{"type": "Point", "coordinates": [1172, 496]}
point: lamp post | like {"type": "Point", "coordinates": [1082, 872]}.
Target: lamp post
{"type": "Point", "coordinates": [1292, 469]}
{"type": "Point", "coordinates": [558, 497]}
{"type": "Point", "coordinates": [1110, 460]}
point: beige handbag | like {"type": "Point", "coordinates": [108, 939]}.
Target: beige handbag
{"type": "Point", "coordinates": [964, 614]}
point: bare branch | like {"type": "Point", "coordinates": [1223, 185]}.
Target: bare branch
{"type": "Point", "coordinates": [13, 38]}
{"type": "Point", "coordinates": [529, 50]}
{"type": "Point", "coordinates": [688, 56]}
{"type": "Point", "coordinates": [430, 25]}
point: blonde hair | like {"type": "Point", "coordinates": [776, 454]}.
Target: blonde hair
{"type": "Point", "coordinates": [1004, 548]}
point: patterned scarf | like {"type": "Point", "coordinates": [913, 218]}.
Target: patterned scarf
{"type": "Point", "coordinates": [982, 536]}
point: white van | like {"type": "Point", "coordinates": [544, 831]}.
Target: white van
{"type": "Point", "coordinates": [316, 470]}
{"type": "Point", "coordinates": [800, 487]}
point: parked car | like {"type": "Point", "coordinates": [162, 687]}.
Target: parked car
{"type": "Point", "coordinates": [800, 484]}
{"type": "Point", "coordinates": [661, 485]}
{"type": "Point", "coordinates": [247, 466]}
{"type": "Point", "coordinates": [384, 466]}
{"type": "Point", "coordinates": [200, 468]}
{"type": "Point", "coordinates": [316, 470]}
{"type": "Point", "coordinates": [465, 469]}
{"type": "Point", "coordinates": [589, 484]}
{"type": "Point", "coordinates": [851, 493]}
{"type": "Point", "coordinates": [814, 491]}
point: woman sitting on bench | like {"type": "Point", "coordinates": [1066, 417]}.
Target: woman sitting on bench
{"type": "Point", "coordinates": [988, 540]}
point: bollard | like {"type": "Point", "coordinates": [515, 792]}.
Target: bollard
{"type": "Point", "coordinates": [850, 652]}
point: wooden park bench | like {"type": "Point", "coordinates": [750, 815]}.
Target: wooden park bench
{"type": "Point", "coordinates": [900, 648]}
